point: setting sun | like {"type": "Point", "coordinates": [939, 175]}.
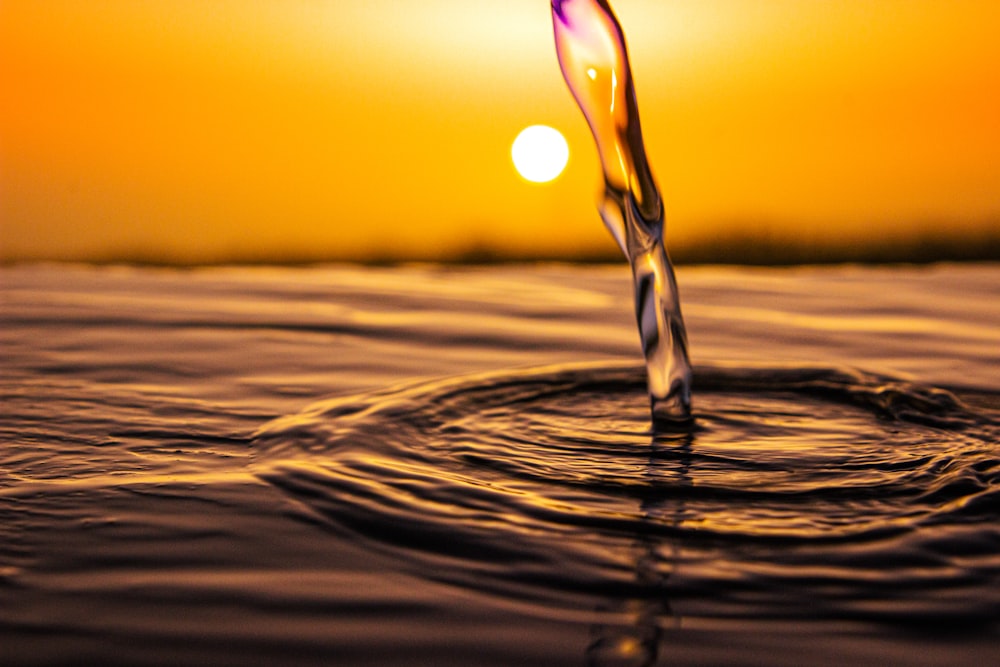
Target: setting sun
{"type": "Point", "coordinates": [540, 153]}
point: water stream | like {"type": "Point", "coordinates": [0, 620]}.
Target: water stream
{"type": "Point", "coordinates": [594, 62]}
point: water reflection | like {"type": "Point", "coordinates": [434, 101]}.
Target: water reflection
{"type": "Point", "coordinates": [639, 642]}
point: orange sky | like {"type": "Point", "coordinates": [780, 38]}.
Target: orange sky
{"type": "Point", "coordinates": [204, 130]}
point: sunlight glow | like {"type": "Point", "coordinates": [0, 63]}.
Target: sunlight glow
{"type": "Point", "coordinates": [540, 153]}
{"type": "Point", "coordinates": [158, 130]}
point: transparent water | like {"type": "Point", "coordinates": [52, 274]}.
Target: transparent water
{"type": "Point", "coordinates": [594, 62]}
{"type": "Point", "coordinates": [419, 465]}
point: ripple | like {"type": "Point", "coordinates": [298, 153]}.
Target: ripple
{"type": "Point", "coordinates": [547, 478]}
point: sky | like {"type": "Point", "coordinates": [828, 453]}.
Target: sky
{"type": "Point", "coordinates": [242, 130]}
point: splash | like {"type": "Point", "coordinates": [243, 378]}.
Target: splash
{"type": "Point", "coordinates": [594, 63]}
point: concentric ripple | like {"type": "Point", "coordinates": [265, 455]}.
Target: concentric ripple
{"type": "Point", "coordinates": [546, 480]}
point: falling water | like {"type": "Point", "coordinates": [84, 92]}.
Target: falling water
{"type": "Point", "coordinates": [594, 62]}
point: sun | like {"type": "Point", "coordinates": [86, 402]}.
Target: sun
{"type": "Point", "coordinates": [540, 153]}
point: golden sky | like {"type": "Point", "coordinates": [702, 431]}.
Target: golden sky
{"type": "Point", "coordinates": [204, 130]}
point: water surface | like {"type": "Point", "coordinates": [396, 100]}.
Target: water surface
{"type": "Point", "coordinates": [419, 465]}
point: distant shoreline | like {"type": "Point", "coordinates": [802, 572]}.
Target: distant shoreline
{"type": "Point", "coordinates": [739, 245]}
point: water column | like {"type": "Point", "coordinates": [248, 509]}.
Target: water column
{"type": "Point", "coordinates": [594, 62]}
